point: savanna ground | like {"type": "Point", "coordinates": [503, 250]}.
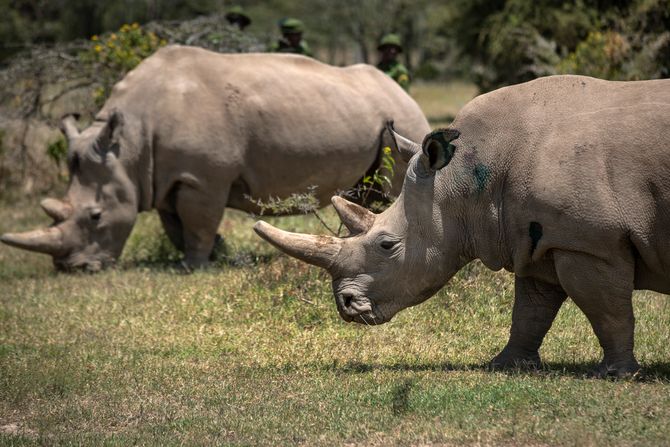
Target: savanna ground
{"type": "Point", "coordinates": [252, 352]}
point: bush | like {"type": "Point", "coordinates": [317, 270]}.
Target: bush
{"type": "Point", "coordinates": [115, 54]}
{"type": "Point", "coordinates": [601, 55]}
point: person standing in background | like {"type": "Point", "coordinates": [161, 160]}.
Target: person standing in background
{"type": "Point", "coordinates": [236, 17]}
{"type": "Point", "coordinates": [291, 41]}
{"type": "Point", "coordinates": [389, 48]}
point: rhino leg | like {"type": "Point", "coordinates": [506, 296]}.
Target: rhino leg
{"type": "Point", "coordinates": [200, 213]}
{"type": "Point", "coordinates": [536, 304]}
{"type": "Point", "coordinates": [603, 291]}
{"type": "Point", "coordinates": [173, 228]}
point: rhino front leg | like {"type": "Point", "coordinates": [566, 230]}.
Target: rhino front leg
{"type": "Point", "coordinates": [603, 291]}
{"type": "Point", "coordinates": [536, 304]}
{"type": "Point", "coordinates": [200, 212]}
{"type": "Point", "coordinates": [173, 228]}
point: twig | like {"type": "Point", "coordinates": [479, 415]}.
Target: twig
{"type": "Point", "coordinates": [67, 57]}
{"type": "Point", "coordinates": [324, 223]}
{"type": "Point", "coordinates": [306, 300]}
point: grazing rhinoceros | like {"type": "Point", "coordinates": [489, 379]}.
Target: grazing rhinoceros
{"type": "Point", "coordinates": [190, 132]}
{"type": "Point", "coordinates": [564, 181]}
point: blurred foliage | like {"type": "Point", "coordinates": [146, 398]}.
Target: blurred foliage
{"type": "Point", "coordinates": [115, 54]}
{"type": "Point", "coordinates": [26, 22]}
{"type": "Point", "coordinates": [492, 42]}
{"type": "Point", "coordinates": [57, 150]}
{"type": "Point", "coordinates": [122, 51]}
{"type": "Point", "coordinates": [511, 41]}
{"type": "Point", "coordinates": [601, 55]}
{"type": "Point", "coordinates": [636, 45]}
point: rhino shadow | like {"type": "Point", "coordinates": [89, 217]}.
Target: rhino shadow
{"type": "Point", "coordinates": [652, 372]}
{"type": "Point", "coordinates": [363, 367]}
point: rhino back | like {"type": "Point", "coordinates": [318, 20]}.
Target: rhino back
{"type": "Point", "coordinates": [584, 160]}
{"type": "Point", "coordinates": [274, 121]}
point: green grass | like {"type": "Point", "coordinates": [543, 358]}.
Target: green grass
{"type": "Point", "coordinates": [441, 102]}
{"type": "Point", "coordinates": [252, 352]}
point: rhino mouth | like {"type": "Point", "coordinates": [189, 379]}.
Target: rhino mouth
{"type": "Point", "coordinates": [73, 264]}
{"type": "Point", "coordinates": [357, 308]}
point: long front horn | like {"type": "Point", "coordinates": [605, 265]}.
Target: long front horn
{"type": "Point", "coordinates": [57, 210]}
{"type": "Point", "coordinates": [316, 250]}
{"type": "Point", "coordinates": [48, 241]}
{"type": "Point", "coordinates": [406, 147]}
{"type": "Point", "coordinates": [356, 218]}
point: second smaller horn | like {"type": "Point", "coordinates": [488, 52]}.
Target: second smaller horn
{"type": "Point", "coordinates": [56, 209]}
{"type": "Point", "coordinates": [356, 218]}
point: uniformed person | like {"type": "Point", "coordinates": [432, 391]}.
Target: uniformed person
{"type": "Point", "coordinates": [236, 17]}
{"type": "Point", "coordinates": [389, 49]}
{"type": "Point", "coordinates": [291, 41]}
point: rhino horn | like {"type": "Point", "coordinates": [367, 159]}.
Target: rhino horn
{"type": "Point", "coordinates": [316, 250]}
{"type": "Point", "coordinates": [57, 210]}
{"type": "Point", "coordinates": [48, 240]}
{"type": "Point", "coordinates": [69, 128]}
{"type": "Point", "coordinates": [356, 218]}
{"type": "Point", "coordinates": [406, 147]}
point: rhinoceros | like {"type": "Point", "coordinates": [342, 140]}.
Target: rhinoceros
{"type": "Point", "coordinates": [190, 132]}
{"type": "Point", "coordinates": [564, 181]}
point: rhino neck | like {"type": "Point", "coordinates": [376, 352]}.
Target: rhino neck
{"type": "Point", "coordinates": [144, 182]}
{"type": "Point", "coordinates": [485, 238]}
{"type": "Point", "coordinates": [137, 151]}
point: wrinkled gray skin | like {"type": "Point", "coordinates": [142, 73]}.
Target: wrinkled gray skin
{"type": "Point", "coordinates": [562, 180]}
{"type": "Point", "coordinates": [190, 132]}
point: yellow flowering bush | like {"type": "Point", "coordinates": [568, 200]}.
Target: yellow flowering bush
{"type": "Point", "coordinates": [601, 55]}
{"type": "Point", "coordinates": [116, 54]}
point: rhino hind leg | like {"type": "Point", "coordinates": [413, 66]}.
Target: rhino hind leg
{"type": "Point", "coordinates": [200, 213]}
{"type": "Point", "coordinates": [536, 304]}
{"type": "Point", "coordinates": [603, 291]}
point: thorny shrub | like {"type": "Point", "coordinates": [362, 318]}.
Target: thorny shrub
{"type": "Point", "coordinates": [375, 185]}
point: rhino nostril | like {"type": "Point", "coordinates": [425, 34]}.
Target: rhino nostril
{"type": "Point", "coordinates": [347, 298]}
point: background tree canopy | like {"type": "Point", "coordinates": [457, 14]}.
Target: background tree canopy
{"type": "Point", "coordinates": [492, 42]}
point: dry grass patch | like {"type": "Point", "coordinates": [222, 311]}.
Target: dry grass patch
{"type": "Point", "coordinates": [252, 352]}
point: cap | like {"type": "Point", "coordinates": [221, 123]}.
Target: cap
{"type": "Point", "coordinates": [291, 25]}
{"type": "Point", "coordinates": [390, 40]}
{"type": "Point", "coordinates": [236, 13]}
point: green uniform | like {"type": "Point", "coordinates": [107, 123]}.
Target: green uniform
{"type": "Point", "coordinates": [282, 46]}
{"type": "Point", "coordinates": [397, 71]}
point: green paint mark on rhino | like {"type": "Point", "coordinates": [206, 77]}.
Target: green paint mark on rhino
{"type": "Point", "coordinates": [482, 175]}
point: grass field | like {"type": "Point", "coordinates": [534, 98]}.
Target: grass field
{"type": "Point", "coordinates": [252, 352]}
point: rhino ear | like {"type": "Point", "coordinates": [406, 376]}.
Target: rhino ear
{"type": "Point", "coordinates": [406, 147]}
{"type": "Point", "coordinates": [438, 147]}
{"type": "Point", "coordinates": [106, 142]}
{"type": "Point", "coordinates": [68, 126]}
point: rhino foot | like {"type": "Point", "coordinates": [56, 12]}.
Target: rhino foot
{"type": "Point", "coordinates": [510, 358]}
{"type": "Point", "coordinates": [220, 250]}
{"type": "Point", "coordinates": [190, 266]}
{"type": "Point", "coordinates": [619, 370]}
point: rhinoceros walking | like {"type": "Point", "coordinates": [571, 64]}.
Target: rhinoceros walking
{"type": "Point", "coordinates": [564, 181]}
{"type": "Point", "coordinates": [190, 132]}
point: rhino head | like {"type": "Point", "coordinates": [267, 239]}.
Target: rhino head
{"type": "Point", "coordinates": [93, 221]}
{"type": "Point", "coordinates": [395, 259]}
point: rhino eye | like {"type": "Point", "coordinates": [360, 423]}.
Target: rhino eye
{"type": "Point", "coordinates": [95, 215]}
{"type": "Point", "coordinates": [387, 245]}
